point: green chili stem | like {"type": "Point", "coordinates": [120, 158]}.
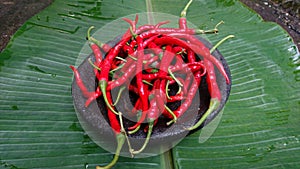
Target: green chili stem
{"type": "Point", "coordinates": [215, 30]}
{"type": "Point", "coordinates": [179, 90]}
{"type": "Point", "coordinates": [133, 58]}
{"type": "Point", "coordinates": [117, 68]}
{"type": "Point", "coordinates": [146, 82]}
{"type": "Point", "coordinates": [120, 142]}
{"type": "Point", "coordinates": [94, 66]}
{"type": "Point", "coordinates": [173, 76]}
{"type": "Point", "coordinates": [88, 36]}
{"type": "Point", "coordinates": [151, 123]}
{"type": "Point", "coordinates": [103, 86]}
{"type": "Point", "coordinates": [213, 105]}
{"type": "Point", "coordinates": [173, 115]}
{"type": "Point", "coordinates": [137, 128]}
{"type": "Point", "coordinates": [220, 42]}
{"type": "Point", "coordinates": [119, 95]}
{"type": "Point", "coordinates": [134, 35]}
{"type": "Point", "coordinates": [120, 58]}
{"type": "Point", "coordinates": [96, 41]}
{"type": "Point", "coordinates": [123, 131]}
{"type": "Point", "coordinates": [183, 12]}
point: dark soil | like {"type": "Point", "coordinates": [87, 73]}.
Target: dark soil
{"type": "Point", "coordinates": [13, 13]}
{"type": "Point", "coordinates": [284, 12]}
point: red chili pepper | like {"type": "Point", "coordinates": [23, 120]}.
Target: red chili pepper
{"type": "Point", "coordinates": [97, 53]}
{"type": "Point", "coordinates": [105, 47]}
{"type": "Point", "coordinates": [179, 49]}
{"type": "Point", "coordinates": [154, 76]}
{"type": "Point", "coordinates": [177, 97]}
{"type": "Point", "coordinates": [172, 30]}
{"type": "Point", "coordinates": [105, 68]}
{"type": "Point", "coordinates": [80, 83]}
{"type": "Point", "coordinates": [214, 92]}
{"type": "Point", "coordinates": [143, 91]}
{"type": "Point", "coordinates": [189, 97]}
{"type": "Point", "coordinates": [132, 28]}
{"type": "Point", "coordinates": [137, 106]}
{"type": "Point", "coordinates": [163, 69]}
{"type": "Point", "coordinates": [189, 67]}
{"type": "Point", "coordinates": [202, 50]}
{"type": "Point", "coordinates": [120, 137]}
{"type": "Point", "coordinates": [152, 116]}
{"type": "Point", "coordinates": [156, 49]}
{"type": "Point", "coordinates": [122, 79]}
{"type": "Point", "coordinates": [182, 20]}
{"type": "Point", "coordinates": [150, 61]}
{"type": "Point", "coordinates": [93, 97]}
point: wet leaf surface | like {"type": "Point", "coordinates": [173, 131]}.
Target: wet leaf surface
{"type": "Point", "coordinates": [259, 127]}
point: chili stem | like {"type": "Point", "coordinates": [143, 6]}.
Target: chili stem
{"type": "Point", "coordinates": [138, 127]}
{"type": "Point", "coordinates": [173, 76]}
{"type": "Point", "coordinates": [179, 90]}
{"type": "Point", "coordinates": [148, 83]}
{"type": "Point", "coordinates": [91, 39]}
{"type": "Point", "coordinates": [213, 105]}
{"type": "Point", "coordinates": [215, 30]}
{"type": "Point", "coordinates": [220, 42]}
{"type": "Point", "coordinates": [94, 66]}
{"type": "Point", "coordinates": [119, 95]}
{"type": "Point", "coordinates": [133, 58]}
{"type": "Point", "coordinates": [151, 123]}
{"type": "Point", "coordinates": [173, 115]}
{"type": "Point", "coordinates": [117, 68]}
{"type": "Point", "coordinates": [183, 12]}
{"type": "Point", "coordinates": [135, 130]}
{"type": "Point", "coordinates": [124, 60]}
{"type": "Point", "coordinates": [88, 36]}
{"type": "Point", "coordinates": [123, 131]}
{"type": "Point", "coordinates": [134, 35]}
{"type": "Point", "coordinates": [103, 86]}
{"type": "Point", "coordinates": [120, 142]}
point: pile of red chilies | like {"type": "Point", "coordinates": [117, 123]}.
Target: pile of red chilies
{"type": "Point", "coordinates": [174, 53]}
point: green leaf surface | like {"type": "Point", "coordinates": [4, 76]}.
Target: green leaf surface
{"type": "Point", "coordinates": [259, 127]}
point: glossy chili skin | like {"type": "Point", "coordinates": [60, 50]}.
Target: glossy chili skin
{"type": "Point", "coordinates": [211, 80]}
{"type": "Point", "coordinates": [203, 51]}
{"type": "Point", "coordinates": [142, 88]}
{"type": "Point", "coordinates": [80, 83]}
{"type": "Point", "coordinates": [172, 63]}
{"type": "Point", "coordinates": [97, 53]}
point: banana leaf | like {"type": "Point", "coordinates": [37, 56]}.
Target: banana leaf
{"type": "Point", "coordinates": [258, 128]}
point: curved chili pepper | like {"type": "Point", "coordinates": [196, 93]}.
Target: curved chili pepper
{"type": "Point", "coordinates": [93, 97]}
{"type": "Point", "coordinates": [154, 76]}
{"type": "Point", "coordinates": [156, 49]}
{"type": "Point", "coordinates": [152, 116]}
{"type": "Point", "coordinates": [214, 92]}
{"type": "Point", "coordinates": [120, 137]}
{"type": "Point", "coordinates": [105, 68]}
{"type": "Point", "coordinates": [103, 46]}
{"type": "Point", "coordinates": [188, 67]}
{"type": "Point", "coordinates": [122, 79]}
{"type": "Point", "coordinates": [213, 88]}
{"type": "Point", "coordinates": [80, 83]}
{"type": "Point", "coordinates": [143, 92]}
{"type": "Point", "coordinates": [179, 49]}
{"type": "Point", "coordinates": [182, 20]}
{"type": "Point", "coordinates": [189, 98]}
{"type": "Point", "coordinates": [202, 50]}
{"type": "Point", "coordinates": [132, 30]}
